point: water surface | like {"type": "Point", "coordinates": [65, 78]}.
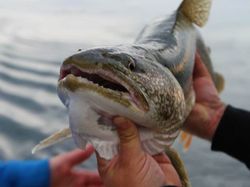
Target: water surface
{"type": "Point", "coordinates": [36, 36]}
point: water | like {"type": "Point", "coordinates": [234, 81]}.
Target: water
{"type": "Point", "coordinates": [35, 37]}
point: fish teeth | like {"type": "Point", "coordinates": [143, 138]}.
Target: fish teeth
{"type": "Point", "coordinates": [84, 80]}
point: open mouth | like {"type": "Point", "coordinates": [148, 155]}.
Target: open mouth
{"type": "Point", "coordinates": [102, 81]}
{"type": "Point", "coordinates": [105, 80]}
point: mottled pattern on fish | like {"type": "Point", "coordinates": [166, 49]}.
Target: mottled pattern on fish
{"type": "Point", "coordinates": [156, 89]}
{"type": "Point", "coordinates": [149, 82]}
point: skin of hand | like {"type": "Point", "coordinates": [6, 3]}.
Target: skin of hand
{"type": "Point", "coordinates": [209, 109]}
{"type": "Point", "coordinates": [63, 173]}
{"type": "Point", "coordinates": [132, 167]}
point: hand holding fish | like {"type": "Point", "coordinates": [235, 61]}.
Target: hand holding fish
{"type": "Point", "coordinates": [134, 167]}
{"type": "Point", "coordinates": [63, 174]}
{"type": "Point", "coordinates": [149, 82]}
{"type": "Point", "coordinates": [208, 109]}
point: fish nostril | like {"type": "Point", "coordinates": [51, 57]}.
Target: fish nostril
{"type": "Point", "coordinates": [131, 65]}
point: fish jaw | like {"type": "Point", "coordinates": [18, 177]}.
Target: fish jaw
{"type": "Point", "coordinates": [107, 103]}
{"type": "Point", "coordinates": [101, 79]}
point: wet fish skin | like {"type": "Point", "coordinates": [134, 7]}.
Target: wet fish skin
{"type": "Point", "coordinates": [156, 84]}
{"type": "Point", "coordinates": [156, 70]}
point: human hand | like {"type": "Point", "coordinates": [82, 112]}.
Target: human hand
{"type": "Point", "coordinates": [63, 173]}
{"type": "Point", "coordinates": [132, 167]}
{"type": "Point", "coordinates": [208, 110]}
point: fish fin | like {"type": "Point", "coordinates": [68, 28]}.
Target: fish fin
{"type": "Point", "coordinates": [179, 166]}
{"type": "Point", "coordinates": [219, 82]}
{"type": "Point", "coordinates": [57, 137]}
{"type": "Point", "coordinates": [196, 10]}
{"type": "Point", "coordinates": [185, 140]}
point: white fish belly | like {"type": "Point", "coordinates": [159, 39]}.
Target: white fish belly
{"type": "Point", "coordinates": [89, 125]}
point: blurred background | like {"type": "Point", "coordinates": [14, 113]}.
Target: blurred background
{"type": "Point", "coordinates": [37, 35]}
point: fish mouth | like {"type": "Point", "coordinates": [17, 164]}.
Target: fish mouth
{"type": "Point", "coordinates": [105, 82]}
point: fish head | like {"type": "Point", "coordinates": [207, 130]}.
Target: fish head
{"type": "Point", "coordinates": [127, 77]}
{"type": "Point", "coordinates": [99, 84]}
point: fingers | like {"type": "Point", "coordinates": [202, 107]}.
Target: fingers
{"type": "Point", "coordinates": [129, 137]}
{"type": "Point", "coordinates": [77, 156]}
{"type": "Point", "coordinates": [200, 69]}
{"type": "Point", "coordinates": [171, 176]}
{"type": "Point", "coordinates": [129, 145]}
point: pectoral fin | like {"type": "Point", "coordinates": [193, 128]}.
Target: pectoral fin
{"type": "Point", "coordinates": [53, 139]}
{"type": "Point", "coordinates": [186, 140]}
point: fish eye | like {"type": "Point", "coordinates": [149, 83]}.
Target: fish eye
{"type": "Point", "coordinates": [131, 65]}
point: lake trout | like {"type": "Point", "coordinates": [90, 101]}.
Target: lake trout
{"type": "Point", "coordinates": [149, 82]}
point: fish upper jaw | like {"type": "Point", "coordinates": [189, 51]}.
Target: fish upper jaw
{"type": "Point", "coordinates": [103, 80]}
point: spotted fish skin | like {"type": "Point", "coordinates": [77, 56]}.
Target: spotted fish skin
{"type": "Point", "coordinates": [157, 72]}
{"type": "Point", "coordinates": [173, 42]}
{"type": "Point", "coordinates": [149, 82]}
{"type": "Point", "coordinates": [174, 45]}
{"type": "Point", "coordinates": [164, 107]}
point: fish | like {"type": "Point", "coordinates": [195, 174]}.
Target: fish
{"type": "Point", "coordinates": [148, 81]}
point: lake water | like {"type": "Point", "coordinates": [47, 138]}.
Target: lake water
{"type": "Point", "coordinates": [36, 36]}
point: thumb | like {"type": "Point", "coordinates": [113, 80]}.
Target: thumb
{"type": "Point", "coordinates": [129, 137]}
